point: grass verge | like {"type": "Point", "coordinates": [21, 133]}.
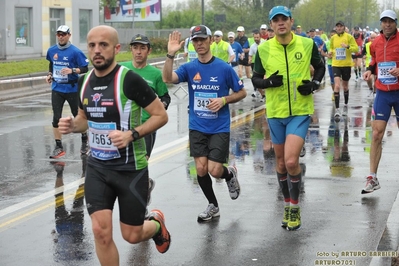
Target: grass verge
{"type": "Point", "coordinates": [16, 68]}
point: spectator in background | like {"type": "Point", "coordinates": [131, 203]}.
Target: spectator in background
{"type": "Point", "coordinates": [243, 64]}
{"type": "Point", "coordinates": [358, 56]}
{"type": "Point", "coordinates": [252, 52]}
{"type": "Point", "coordinates": [342, 45]}
{"type": "Point", "coordinates": [66, 63]}
{"type": "Point", "coordinates": [322, 35]}
{"type": "Point", "coordinates": [222, 49]}
{"type": "Point", "coordinates": [270, 32]}
{"type": "Point", "coordinates": [327, 49]}
{"type": "Point", "coordinates": [367, 60]}
{"type": "Point", "coordinates": [237, 48]}
{"type": "Point", "coordinates": [264, 34]}
{"type": "Point", "coordinates": [189, 51]}
{"type": "Point", "coordinates": [300, 32]}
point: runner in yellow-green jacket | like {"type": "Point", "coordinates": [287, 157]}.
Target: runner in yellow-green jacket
{"type": "Point", "coordinates": [282, 67]}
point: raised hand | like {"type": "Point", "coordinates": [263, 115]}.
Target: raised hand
{"type": "Point", "coordinates": [175, 43]}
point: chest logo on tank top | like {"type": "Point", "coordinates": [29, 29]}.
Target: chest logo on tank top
{"type": "Point", "coordinates": [96, 98]}
{"type": "Point", "coordinates": [197, 78]}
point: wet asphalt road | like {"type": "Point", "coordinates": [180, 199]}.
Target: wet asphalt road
{"type": "Point", "coordinates": [43, 219]}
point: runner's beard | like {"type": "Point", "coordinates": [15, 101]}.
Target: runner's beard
{"type": "Point", "coordinates": [103, 66]}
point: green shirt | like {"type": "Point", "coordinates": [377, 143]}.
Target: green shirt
{"type": "Point", "coordinates": [153, 77]}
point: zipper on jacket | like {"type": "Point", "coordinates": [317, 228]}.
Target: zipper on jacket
{"type": "Point", "coordinates": [288, 79]}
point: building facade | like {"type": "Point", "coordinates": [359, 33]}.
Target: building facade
{"type": "Point", "coordinates": [28, 27]}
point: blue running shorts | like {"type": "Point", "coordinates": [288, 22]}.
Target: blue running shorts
{"type": "Point", "coordinates": [383, 103]}
{"type": "Point", "coordinates": [280, 128]}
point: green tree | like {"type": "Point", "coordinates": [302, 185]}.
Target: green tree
{"type": "Point", "coordinates": [248, 13]}
{"type": "Point", "coordinates": [309, 14]}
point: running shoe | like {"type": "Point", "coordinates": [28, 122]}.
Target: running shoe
{"type": "Point", "coordinates": [232, 184]}
{"type": "Point", "coordinates": [371, 185]}
{"type": "Point", "coordinates": [84, 149]}
{"type": "Point", "coordinates": [345, 110]}
{"type": "Point", "coordinates": [210, 212]}
{"type": "Point", "coordinates": [303, 152]}
{"type": "Point", "coordinates": [356, 79]}
{"type": "Point", "coordinates": [57, 153]}
{"type": "Point", "coordinates": [295, 219]}
{"type": "Point", "coordinates": [162, 238]}
{"type": "Point", "coordinates": [337, 115]}
{"type": "Point", "coordinates": [151, 185]}
{"type": "Point", "coordinates": [286, 217]}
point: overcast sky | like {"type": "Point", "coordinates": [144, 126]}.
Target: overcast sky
{"type": "Point", "coordinates": [168, 2]}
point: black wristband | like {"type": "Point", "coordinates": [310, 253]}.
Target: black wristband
{"type": "Point", "coordinates": [170, 56]}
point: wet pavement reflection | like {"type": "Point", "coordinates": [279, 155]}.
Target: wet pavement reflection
{"type": "Point", "coordinates": [71, 244]}
{"type": "Point", "coordinates": [43, 212]}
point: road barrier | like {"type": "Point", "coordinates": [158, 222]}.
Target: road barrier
{"type": "Point", "coordinates": [177, 62]}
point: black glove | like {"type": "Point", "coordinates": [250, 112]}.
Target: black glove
{"type": "Point", "coordinates": [307, 87]}
{"type": "Point", "coordinates": [273, 81]}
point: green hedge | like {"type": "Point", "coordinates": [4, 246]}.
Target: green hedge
{"type": "Point", "coordinates": [25, 67]}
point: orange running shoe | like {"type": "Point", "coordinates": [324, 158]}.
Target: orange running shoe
{"type": "Point", "coordinates": [57, 153]}
{"type": "Point", "coordinates": [162, 238]}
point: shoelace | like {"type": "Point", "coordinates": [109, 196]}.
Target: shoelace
{"type": "Point", "coordinates": [286, 214]}
{"type": "Point", "coordinates": [232, 186]}
{"type": "Point", "coordinates": [370, 179]}
{"type": "Point", "coordinates": [159, 240]}
{"type": "Point", "coordinates": [293, 215]}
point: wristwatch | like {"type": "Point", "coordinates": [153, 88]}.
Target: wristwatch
{"type": "Point", "coordinates": [73, 70]}
{"type": "Point", "coordinates": [316, 82]}
{"type": "Point", "coordinates": [135, 134]}
{"type": "Point", "coordinates": [170, 56]}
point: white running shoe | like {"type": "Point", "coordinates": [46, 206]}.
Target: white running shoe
{"type": "Point", "coordinates": [371, 185]}
{"type": "Point", "coordinates": [210, 212]}
{"type": "Point", "coordinates": [232, 184]}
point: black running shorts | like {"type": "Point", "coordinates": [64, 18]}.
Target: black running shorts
{"type": "Point", "coordinates": [104, 186]}
{"type": "Point", "coordinates": [213, 146]}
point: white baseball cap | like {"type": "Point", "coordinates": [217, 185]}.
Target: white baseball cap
{"type": "Point", "coordinates": [64, 28]}
{"type": "Point", "coordinates": [240, 28]}
{"type": "Point", "coordinates": [231, 34]}
{"type": "Point", "coordinates": [263, 27]}
{"type": "Point", "coordinates": [218, 33]}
